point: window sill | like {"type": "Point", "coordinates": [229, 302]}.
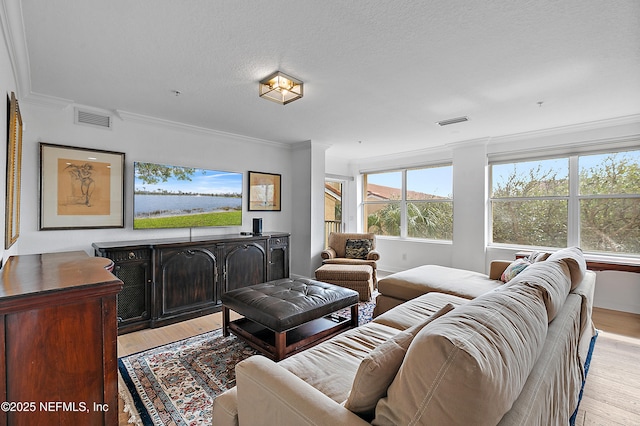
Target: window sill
{"type": "Point", "coordinates": [603, 263]}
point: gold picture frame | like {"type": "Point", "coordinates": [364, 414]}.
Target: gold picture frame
{"type": "Point", "coordinates": [14, 169]}
{"type": "Point", "coordinates": [264, 191]}
{"type": "Point", "coordinates": [80, 188]}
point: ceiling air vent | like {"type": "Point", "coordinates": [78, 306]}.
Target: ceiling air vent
{"type": "Point", "coordinates": [93, 119]}
{"type": "Point", "coordinates": [453, 121]}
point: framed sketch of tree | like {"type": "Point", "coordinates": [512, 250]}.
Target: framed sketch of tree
{"type": "Point", "coordinates": [80, 188]}
{"type": "Point", "coordinates": [14, 166]}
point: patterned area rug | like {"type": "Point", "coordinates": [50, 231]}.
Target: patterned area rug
{"type": "Point", "coordinates": [176, 384]}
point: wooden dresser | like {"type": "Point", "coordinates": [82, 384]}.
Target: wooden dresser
{"type": "Point", "coordinates": [58, 337]}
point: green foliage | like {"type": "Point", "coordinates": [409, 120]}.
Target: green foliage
{"type": "Point", "coordinates": [433, 220]}
{"type": "Point", "coordinates": [530, 223]}
{"type": "Point", "coordinates": [537, 182]}
{"type": "Point", "coordinates": [230, 218]}
{"type": "Point", "coordinates": [385, 221]}
{"type": "Point", "coordinates": [154, 173]}
{"type": "Point", "coordinates": [608, 224]}
{"type": "Point", "coordinates": [430, 220]}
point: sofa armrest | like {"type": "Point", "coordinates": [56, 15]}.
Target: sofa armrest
{"type": "Point", "coordinates": [373, 255]}
{"type": "Point", "coordinates": [271, 395]}
{"type": "Point", "coordinates": [497, 268]}
{"type": "Point", "coordinates": [328, 253]}
{"type": "Point", "coordinates": [225, 408]}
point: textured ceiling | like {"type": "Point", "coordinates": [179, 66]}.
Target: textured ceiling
{"type": "Point", "coordinates": [379, 72]}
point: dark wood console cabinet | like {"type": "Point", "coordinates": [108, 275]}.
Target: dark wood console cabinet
{"type": "Point", "coordinates": [171, 280]}
{"type": "Point", "coordinates": [58, 357]}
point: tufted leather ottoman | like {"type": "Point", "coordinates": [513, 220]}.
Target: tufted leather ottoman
{"type": "Point", "coordinates": [286, 316]}
{"type": "Point", "coordinates": [355, 277]}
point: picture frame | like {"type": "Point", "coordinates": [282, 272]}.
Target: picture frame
{"type": "Point", "coordinates": [80, 188]}
{"type": "Point", "coordinates": [264, 191]}
{"type": "Point", "coordinates": [14, 170]}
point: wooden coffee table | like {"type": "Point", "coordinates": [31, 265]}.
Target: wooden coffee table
{"type": "Point", "coordinates": [286, 316]}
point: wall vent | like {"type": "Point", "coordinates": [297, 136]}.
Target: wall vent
{"type": "Point", "coordinates": [93, 119]}
{"type": "Point", "coordinates": [453, 121]}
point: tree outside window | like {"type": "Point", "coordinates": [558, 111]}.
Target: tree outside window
{"type": "Point", "coordinates": [535, 203]}
{"type": "Point", "coordinates": [413, 203]}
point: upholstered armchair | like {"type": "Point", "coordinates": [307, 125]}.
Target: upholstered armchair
{"type": "Point", "coordinates": [352, 249]}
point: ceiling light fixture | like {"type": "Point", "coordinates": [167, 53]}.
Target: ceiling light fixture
{"type": "Point", "coordinates": [281, 88]}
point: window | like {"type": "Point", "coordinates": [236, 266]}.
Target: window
{"type": "Point", "coordinates": [414, 203]}
{"type": "Point", "coordinates": [592, 201]}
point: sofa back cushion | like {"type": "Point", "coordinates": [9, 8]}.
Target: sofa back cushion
{"type": "Point", "coordinates": [377, 370]}
{"type": "Point", "coordinates": [574, 258]}
{"type": "Point", "coordinates": [470, 365]}
{"type": "Point", "coordinates": [552, 277]}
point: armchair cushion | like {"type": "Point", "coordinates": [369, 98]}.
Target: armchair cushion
{"type": "Point", "coordinates": [338, 241]}
{"type": "Point", "coordinates": [357, 248]}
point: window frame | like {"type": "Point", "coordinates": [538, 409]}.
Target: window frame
{"type": "Point", "coordinates": [573, 198]}
{"type": "Point", "coordinates": [404, 201]}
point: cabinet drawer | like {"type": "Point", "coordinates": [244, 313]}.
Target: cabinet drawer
{"type": "Point", "coordinates": [279, 241]}
{"type": "Point", "coordinates": [134, 254]}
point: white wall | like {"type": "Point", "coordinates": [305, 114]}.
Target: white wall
{"type": "Point", "coordinates": [614, 290]}
{"type": "Point", "coordinates": [149, 141]}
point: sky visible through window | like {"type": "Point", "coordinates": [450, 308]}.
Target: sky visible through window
{"type": "Point", "coordinates": [433, 180]}
{"type": "Point", "coordinates": [501, 172]}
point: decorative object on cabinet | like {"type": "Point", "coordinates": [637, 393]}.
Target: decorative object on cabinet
{"type": "Point", "coordinates": [14, 169]}
{"type": "Point", "coordinates": [58, 316]}
{"type": "Point", "coordinates": [171, 280]}
{"type": "Point", "coordinates": [80, 188]}
{"type": "Point", "coordinates": [264, 191]}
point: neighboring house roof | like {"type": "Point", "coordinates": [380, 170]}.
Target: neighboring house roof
{"type": "Point", "coordinates": [380, 192]}
{"type": "Point", "coordinates": [332, 191]}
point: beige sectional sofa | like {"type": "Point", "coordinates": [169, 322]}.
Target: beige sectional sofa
{"type": "Point", "coordinates": [513, 355]}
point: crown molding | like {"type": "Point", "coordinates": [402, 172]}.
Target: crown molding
{"type": "Point", "coordinates": [47, 101]}
{"type": "Point", "coordinates": [571, 128]}
{"type": "Point", "coordinates": [153, 121]}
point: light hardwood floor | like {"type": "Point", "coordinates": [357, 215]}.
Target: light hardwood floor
{"type": "Point", "coordinates": [611, 394]}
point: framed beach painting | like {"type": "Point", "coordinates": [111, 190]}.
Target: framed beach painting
{"type": "Point", "coordinates": [14, 168]}
{"type": "Point", "coordinates": [264, 191]}
{"type": "Point", "coordinates": [80, 188]}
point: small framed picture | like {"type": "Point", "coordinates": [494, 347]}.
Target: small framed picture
{"type": "Point", "coordinates": [80, 188]}
{"type": "Point", "coordinates": [264, 191]}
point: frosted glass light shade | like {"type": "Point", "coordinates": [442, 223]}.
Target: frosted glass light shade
{"type": "Point", "coordinates": [281, 88]}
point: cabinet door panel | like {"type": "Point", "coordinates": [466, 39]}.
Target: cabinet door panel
{"type": "Point", "coordinates": [244, 264]}
{"type": "Point", "coordinates": [278, 258]}
{"type": "Point", "coordinates": [133, 300]}
{"type": "Point", "coordinates": [187, 279]}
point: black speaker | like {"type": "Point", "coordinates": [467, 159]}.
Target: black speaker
{"type": "Point", "coordinates": [257, 226]}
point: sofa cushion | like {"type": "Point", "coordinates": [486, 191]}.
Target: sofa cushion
{"type": "Point", "coordinates": [416, 310]}
{"type": "Point", "coordinates": [331, 366]}
{"type": "Point", "coordinates": [514, 269]}
{"type": "Point", "coordinates": [357, 249]}
{"type": "Point", "coordinates": [470, 365]}
{"type": "Point", "coordinates": [414, 282]}
{"type": "Point", "coordinates": [377, 370]}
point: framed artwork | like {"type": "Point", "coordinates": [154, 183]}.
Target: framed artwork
{"type": "Point", "coordinates": [264, 191]}
{"type": "Point", "coordinates": [80, 188]}
{"type": "Point", "coordinates": [14, 168]}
